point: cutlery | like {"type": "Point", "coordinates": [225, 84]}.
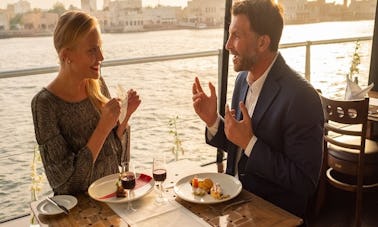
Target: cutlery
{"type": "Point", "coordinates": [235, 203]}
{"type": "Point", "coordinates": [221, 212]}
{"type": "Point", "coordinates": [65, 210]}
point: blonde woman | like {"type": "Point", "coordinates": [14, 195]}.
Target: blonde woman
{"type": "Point", "coordinates": [75, 120]}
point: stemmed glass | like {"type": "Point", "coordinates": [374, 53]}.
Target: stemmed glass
{"type": "Point", "coordinates": [159, 172]}
{"type": "Point", "coordinates": [128, 180]}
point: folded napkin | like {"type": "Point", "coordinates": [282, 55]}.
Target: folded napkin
{"type": "Point", "coordinates": [353, 91]}
{"type": "Point", "coordinates": [146, 209]}
{"type": "Point", "coordinates": [122, 94]}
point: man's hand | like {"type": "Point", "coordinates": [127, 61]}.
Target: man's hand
{"type": "Point", "coordinates": [205, 106]}
{"type": "Point", "coordinates": [238, 132]}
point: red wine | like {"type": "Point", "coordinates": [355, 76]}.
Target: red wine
{"type": "Point", "coordinates": [159, 174]}
{"type": "Point", "coordinates": [128, 181]}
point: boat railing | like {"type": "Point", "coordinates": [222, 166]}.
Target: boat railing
{"type": "Point", "coordinates": [141, 60]}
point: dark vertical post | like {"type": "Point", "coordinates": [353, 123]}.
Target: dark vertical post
{"type": "Point", "coordinates": [224, 76]}
{"type": "Point", "coordinates": [373, 73]}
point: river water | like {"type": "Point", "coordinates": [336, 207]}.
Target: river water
{"type": "Point", "coordinates": [164, 87]}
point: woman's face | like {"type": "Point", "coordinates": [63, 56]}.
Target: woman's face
{"type": "Point", "coordinates": [86, 56]}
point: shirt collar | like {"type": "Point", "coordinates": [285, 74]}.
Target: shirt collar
{"type": "Point", "coordinates": [257, 84]}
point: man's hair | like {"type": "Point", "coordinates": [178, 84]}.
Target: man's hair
{"type": "Point", "coordinates": [265, 18]}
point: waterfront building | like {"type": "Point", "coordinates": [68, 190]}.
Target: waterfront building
{"type": "Point", "coordinates": [40, 22]}
{"type": "Point", "coordinates": [129, 16]}
{"type": "Point", "coordinates": [201, 14]}
{"type": "Point", "coordinates": [362, 9]}
{"type": "Point", "coordinates": [161, 17]}
{"type": "Point", "coordinates": [4, 20]}
{"type": "Point", "coordinates": [294, 10]}
{"type": "Point", "coordinates": [123, 16]}
{"type": "Point", "coordinates": [21, 7]}
{"type": "Point", "coordinates": [106, 4]}
{"type": "Point", "coordinates": [89, 6]}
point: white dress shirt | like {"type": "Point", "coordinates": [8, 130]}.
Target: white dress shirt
{"type": "Point", "coordinates": [250, 102]}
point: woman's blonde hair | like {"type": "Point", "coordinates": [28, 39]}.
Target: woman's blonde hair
{"type": "Point", "coordinates": [71, 26]}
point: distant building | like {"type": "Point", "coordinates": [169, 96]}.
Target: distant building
{"type": "Point", "coordinates": [362, 9]}
{"type": "Point", "coordinates": [39, 21]}
{"type": "Point", "coordinates": [106, 4]}
{"type": "Point", "coordinates": [89, 5]}
{"type": "Point", "coordinates": [161, 16]}
{"type": "Point", "coordinates": [4, 20]}
{"type": "Point", "coordinates": [21, 7]}
{"type": "Point", "coordinates": [303, 11]}
{"type": "Point", "coordinates": [122, 16]}
{"type": "Point", "coordinates": [201, 13]}
{"type": "Point", "coordinates": [294, 10]}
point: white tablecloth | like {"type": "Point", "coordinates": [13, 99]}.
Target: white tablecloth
{"type": "Point", "coordinates": [148, 213]}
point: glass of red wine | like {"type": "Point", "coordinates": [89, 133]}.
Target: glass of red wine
{"type": "Point", "coordinates": [159, 173]}
{"type": "Point", "coordinates": [128, 180]}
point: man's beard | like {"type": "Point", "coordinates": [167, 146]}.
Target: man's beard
{"type": "Point", "coordinates": [245, 63]}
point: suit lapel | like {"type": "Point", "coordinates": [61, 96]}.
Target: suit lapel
{"type": "Point", "coordinates": [269, 91]}
{"type": "Point", "coordinates": [242, 97]}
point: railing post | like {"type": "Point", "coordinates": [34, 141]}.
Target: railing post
{"type": "Point", "coordinates": [308, 61]}
{"type": "Point", "coordinates": [219, 70]}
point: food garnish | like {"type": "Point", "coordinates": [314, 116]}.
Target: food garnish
{"type": "Point", "coordinates": [206, 186]}
{"type": "Point", "coordinates": [120, 191]}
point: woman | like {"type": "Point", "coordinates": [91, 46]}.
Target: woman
{"type": "Point", "coordinates": [75, 120]}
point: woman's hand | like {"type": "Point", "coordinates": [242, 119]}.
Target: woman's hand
{"type": "Point", "coordinates": [109, 115]}
{"type": "Point", "coordinates": [132, 105]}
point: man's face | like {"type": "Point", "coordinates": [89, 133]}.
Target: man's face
{"type": "Point", "coordinates": [242, 43]}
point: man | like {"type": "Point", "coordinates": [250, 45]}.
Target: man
{"type": "Point", "coordinates": [273, 135]}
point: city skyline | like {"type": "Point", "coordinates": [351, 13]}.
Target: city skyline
{"type": "Point", "coordinates": [43, 4]}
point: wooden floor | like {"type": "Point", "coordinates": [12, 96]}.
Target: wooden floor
{"type": "Point", "coordinates": [338, 211]}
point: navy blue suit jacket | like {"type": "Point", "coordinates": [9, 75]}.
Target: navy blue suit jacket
{"type": "Point", "coordinates": [285, 162]}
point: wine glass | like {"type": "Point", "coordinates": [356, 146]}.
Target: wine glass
{"type": "Point", "coordinates": [128, 180]}
{"type": "Point", "coordinates": [159, 173]}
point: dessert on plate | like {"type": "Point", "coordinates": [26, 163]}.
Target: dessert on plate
{"type": "Point", "coordinates": [201, 187]}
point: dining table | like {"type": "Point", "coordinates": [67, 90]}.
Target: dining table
{"type": "Point", "coordinates": [244, 209]}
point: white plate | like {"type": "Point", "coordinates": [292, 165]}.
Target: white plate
{"type": "Point", "coordinates": [230, 185]}
{"type": "Point", "coordinates": [104, 189]}
{"type": "Point", "coordinates": [46, 208]}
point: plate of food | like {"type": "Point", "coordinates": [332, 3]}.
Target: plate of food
{"type": "Point", "coordinates": [109, 189]}
{"type": "Point", "coordinates": [208, 188]}
{"type": "Point", "coordinates": [47, 208]}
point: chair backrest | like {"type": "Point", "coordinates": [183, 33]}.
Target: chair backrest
{"type": "Point", "coordinates": [346, 120]}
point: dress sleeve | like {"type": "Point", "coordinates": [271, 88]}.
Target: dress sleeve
{"type": "Point", "coordinates": [67, 170]}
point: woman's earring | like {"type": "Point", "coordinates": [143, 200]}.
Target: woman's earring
{"type": "Point", "coordinates": [68, 61]}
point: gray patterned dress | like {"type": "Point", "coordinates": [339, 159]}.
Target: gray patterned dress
{"type": "Point", "coordinates": [62, 130]}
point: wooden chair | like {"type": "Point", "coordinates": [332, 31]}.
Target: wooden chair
{"type": "Point", "coordinates": [352, 159]}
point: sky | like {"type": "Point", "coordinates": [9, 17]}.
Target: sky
{"type": "Point", "coordinates": [47, 4]}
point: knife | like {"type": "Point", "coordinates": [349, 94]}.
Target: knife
{"type": "Point", "coordinates": [65, 210]}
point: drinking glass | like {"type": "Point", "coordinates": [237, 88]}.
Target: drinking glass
{"type": "Point", "coordinates": [159, 173]}
{"type": "Point", "coordinates": [128, 180]}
